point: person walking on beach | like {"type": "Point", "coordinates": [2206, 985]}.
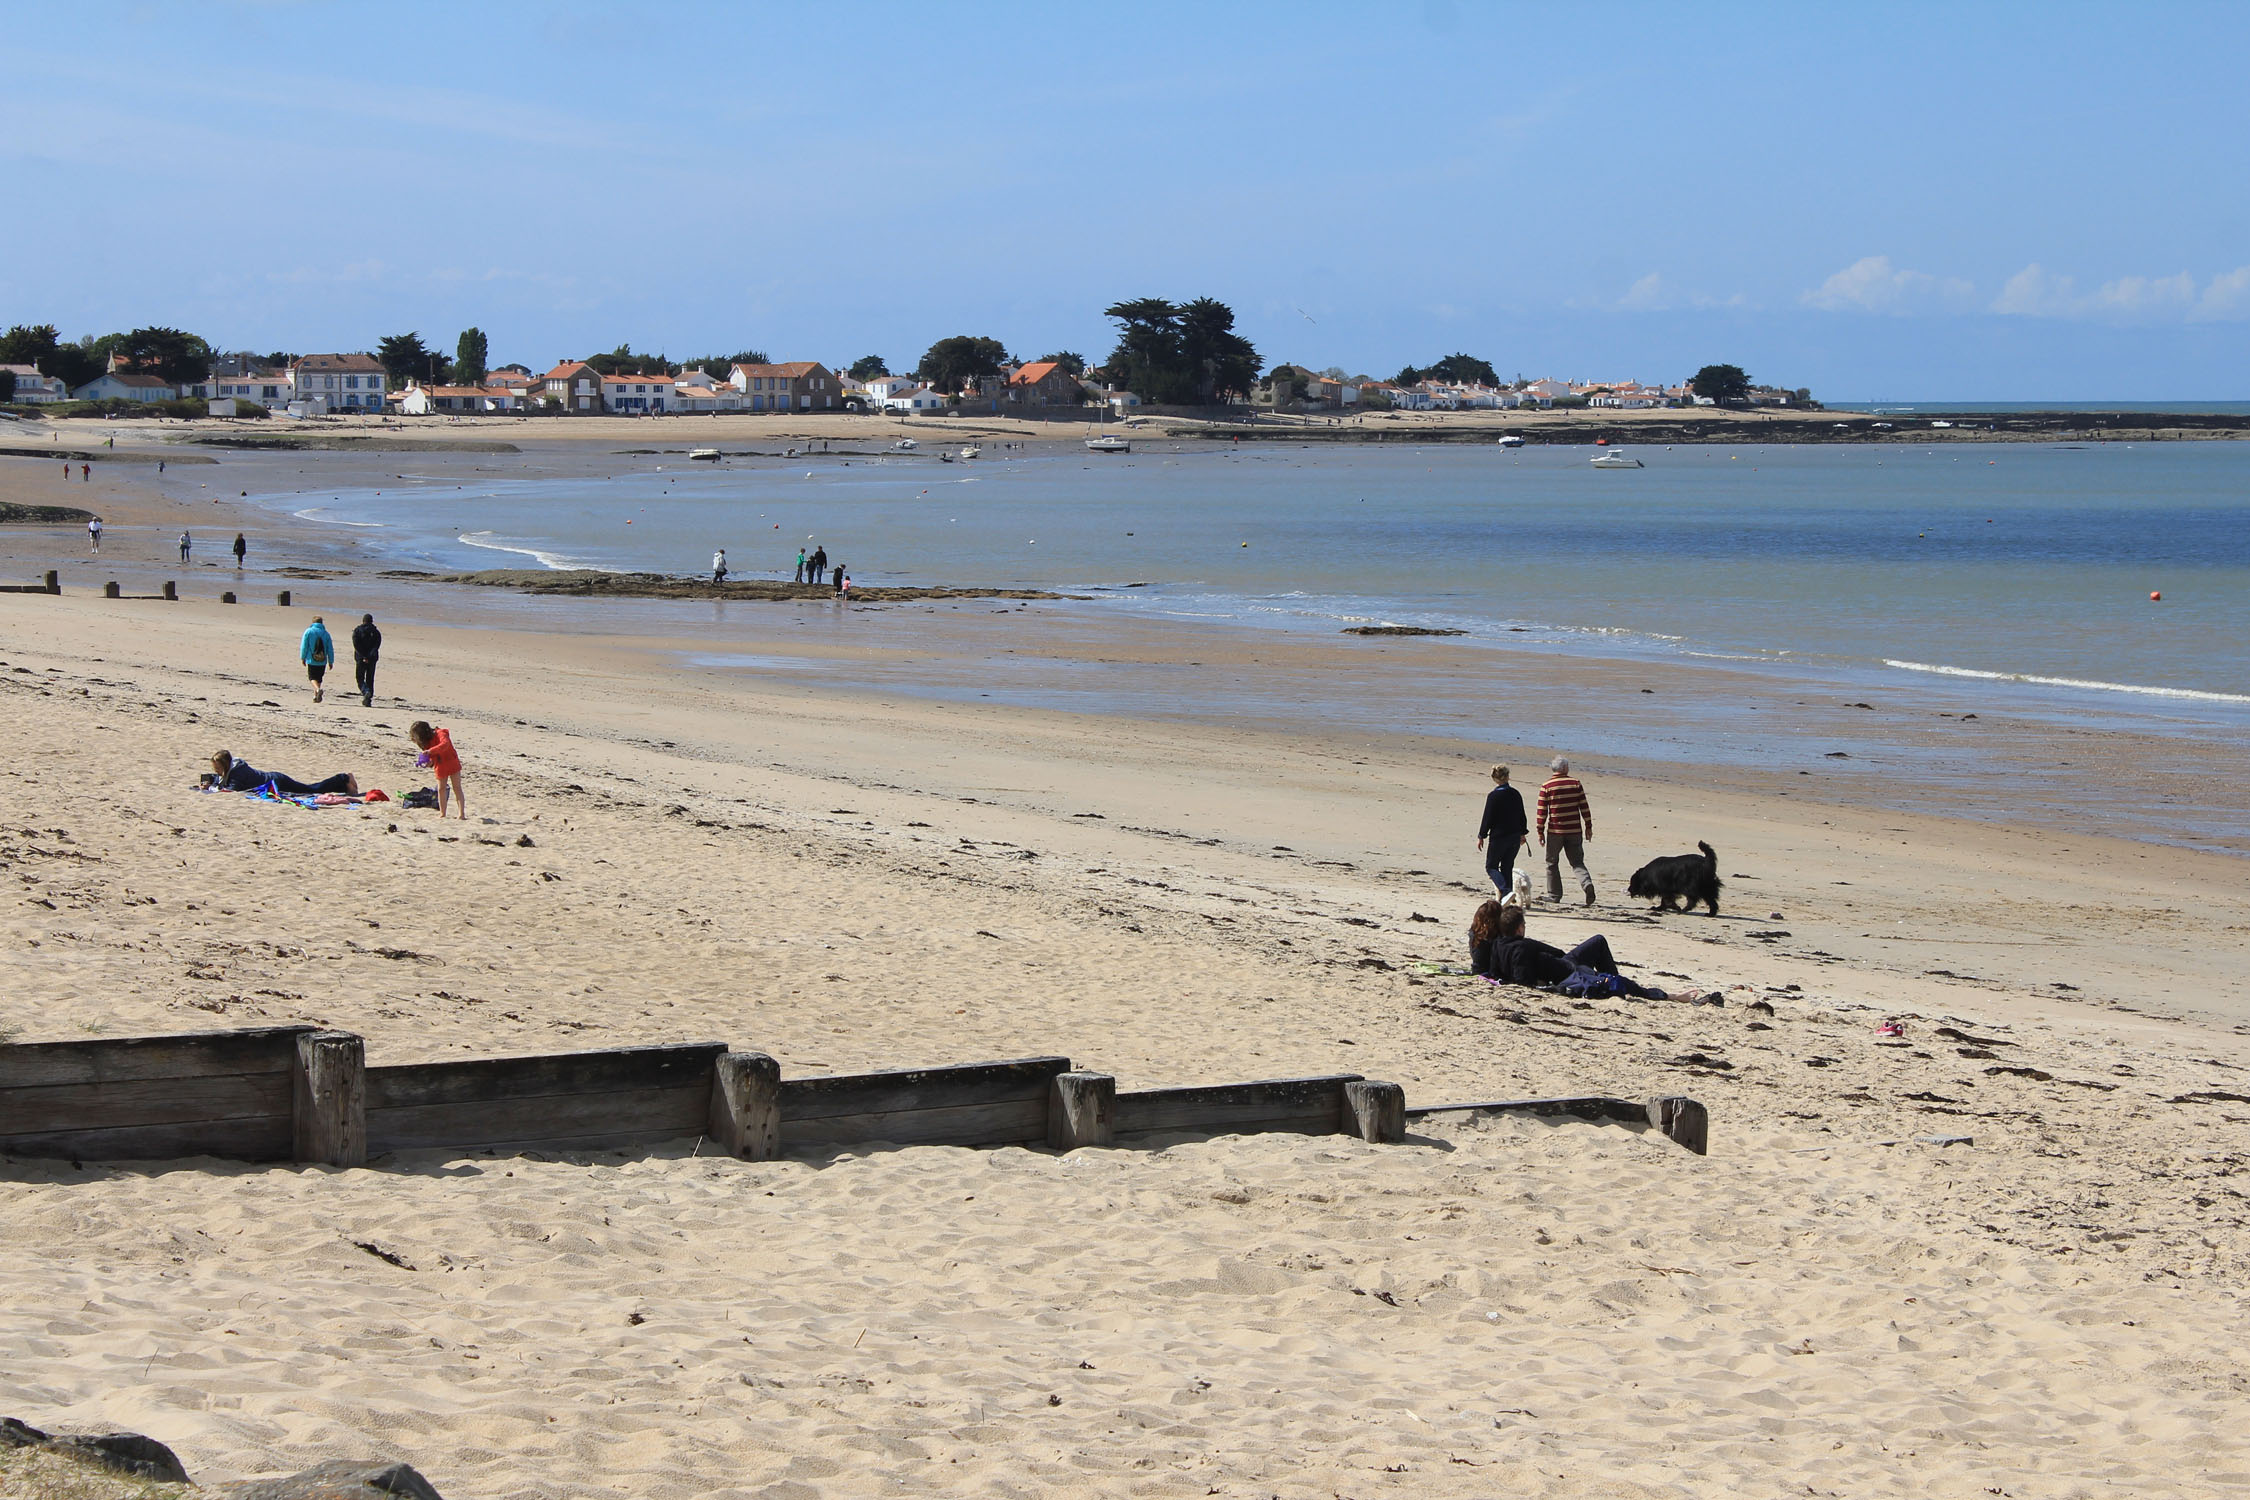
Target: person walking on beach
{"type": "Point", "coordinates": [94, 533]}
{"type": "Point", "coordinates": [317, 649]}
{"type": "Point", "coordinates": [1502, 832]}
{"type": "Point", "coordinates": [444, 762]}
{"type": "Point", "coordinates": [66, 473]}
{"type": "Point", "coordinates": [86, 473]}
{"type": "Point", "coordinates": [367, 645]}
{"type": "Point", "coordinates": [187, 545]}
{"type": "Point", "coordinates": [1566, 824]}
{"type": "Point", "coordinates": [799, 575]}
{"type": "Point", "coordinates": [241, 550]}
{"type": "Point", "coordinates": [719, 566]}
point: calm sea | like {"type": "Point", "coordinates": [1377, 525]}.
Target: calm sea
{"type": "Point", "coordinates": [2017, 573]}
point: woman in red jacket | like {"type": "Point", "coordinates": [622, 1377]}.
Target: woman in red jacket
{"type": "Point", "coordinates": [444, 763]}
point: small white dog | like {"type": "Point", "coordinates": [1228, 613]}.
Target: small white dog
{"type": "Point", "coordinates": [1520, 895]}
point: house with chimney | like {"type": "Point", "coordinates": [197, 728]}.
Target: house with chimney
{"type": "Point", "coordinates": [575, 386]}
{"type": "Point", "coordinates": [338, 382]}
{"type": "Point", "coordinates": [1043, 383]}
{"type": "Point", "coordinates": [802, 385]}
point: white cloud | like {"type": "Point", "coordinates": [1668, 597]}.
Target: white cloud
{"type": "Point", "coordinates": [2227, 297]}
{"type": "Point", "coordinates": [1652, 293]}
{"type": "Point", "coordinates": [2036, 292]}
{"type": "Point", "coordinates": [1873, 284]}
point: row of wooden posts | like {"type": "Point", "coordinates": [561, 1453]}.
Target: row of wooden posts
{"type": "Point", "coordinates": [306, 1094]}
{"type": "Point", "coordinates": [111, 590]}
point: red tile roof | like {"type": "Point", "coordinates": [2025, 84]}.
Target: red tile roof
{"type": "Point", "coordinates": [357, 364]}
{"type": "Point", "coordinates": [796, 370]}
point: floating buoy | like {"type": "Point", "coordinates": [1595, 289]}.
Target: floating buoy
{"type": "Point", "coordinates": [1245, 544]}
{"type": "Point", "coordinates": [2156, 595]}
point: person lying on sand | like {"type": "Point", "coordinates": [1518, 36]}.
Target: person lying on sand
{"type": "Point", "coordinates": [1499, 951]}
{"type": "Point", "coordinates": [231, 775]}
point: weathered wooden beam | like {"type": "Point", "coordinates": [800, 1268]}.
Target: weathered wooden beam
{"type": "Point", "coordinates": [1081, 1110]}
{"type": "Point", "coordinates": [188, 1054]}
{"type": "Point", "coordinates": [1307, 1106]}
{"type": "Point", "coordinates": [746, 1105]}
{"type": "Point", "coordinates": [907, 1089]}
{"type": "Point", "coordinates": [1684, 1120]}
{"type": "Point", "coordinates": [331, 1099]}
{"type": "Point", "coordinates": [1375, 1111]}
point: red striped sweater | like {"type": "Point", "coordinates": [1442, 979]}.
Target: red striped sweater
{"type": "Point", "coordinates": [1563, 809]}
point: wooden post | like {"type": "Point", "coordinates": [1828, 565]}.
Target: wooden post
{"type": "Point", "coordinates": [746, 1105]}
{"type": "Point", "coordinates": [282, 598]}
{"type": "Point", "coordinates": [1081, 1110]}
{"type": "Point", "coordinates": [109, 590]}
{"type": "Point", "coordinates": [331, 1123]}
{"type": "Point", "coordinates": [227, 597]}
{"type": "Point", "coordinates": [1683, 1120]}
{"type": "Point", "coordinates": [171, 589]}
{"type": "Point", "coordinates": [1375, 1112]}
{"type": "Point", "coordinates": [54, 581]}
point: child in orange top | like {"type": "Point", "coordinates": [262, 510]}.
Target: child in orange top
{"type": "Point", "coordinates": [444, 762]}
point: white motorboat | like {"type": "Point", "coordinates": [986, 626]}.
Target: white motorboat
{"type": "Point", "coordinates": [972, 453]}
{"type": "Point", "coordinates": [1616, 458]}
{"type": "Point", "coordinates": [1109, 443]}
{"type": "Point", "coordinates": [704, 455]}
{"type": "Point", "coordinates": [1511, 441]}
{"type": "Point", "coordinates": [905, 445]}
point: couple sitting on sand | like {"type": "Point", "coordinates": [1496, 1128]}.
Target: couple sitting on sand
{"type": "Point", "coordinates": [1499, 952]}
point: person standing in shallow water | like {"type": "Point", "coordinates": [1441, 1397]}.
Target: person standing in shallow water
{"type": "Point", "coordinates": [241, 550]}
{"type": "Point", "coordinates": [187, 545]}
{"type": "Point", "coordinates": [799, 575]}
{"type": "Point", "coordinates": [1502, 832]}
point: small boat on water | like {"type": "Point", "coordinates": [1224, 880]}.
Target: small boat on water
{"type": "Point", "coordinates": [972, 453]}
{"type": "Point", "coordinates": [905, 445]}
{"type": "Point", "coordinates": [1616, 458]}
{"type": "Point", "coordinates": [704, 455]}
{"type": "Point", "coordinates": [1511, 441]}
{"type": "Point", "coordinates": [1108, 443]}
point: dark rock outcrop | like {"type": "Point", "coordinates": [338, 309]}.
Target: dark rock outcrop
{"type": "Point", "coordinates": [340, 1479]}
{"type": "Point", "coordinates": [125, 1452]}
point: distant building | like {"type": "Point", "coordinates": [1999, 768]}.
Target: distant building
{"type": "Point", "coordinates": [574, 385]}
{"type": "Point", "coordinates": [636, 395]}
{"type": "Point", "coordinates": [802, 385]}
{"type": "Point", "coordinates": [1044, 383]}
{"type": "Point", "coordinates": [340, 382]}
{"type": "Point", "coordinates": [694, 391]}
{"type": "Point", "coordinates": [34, 387]}
{"type": "Point", "coordinates": [126, 386]}
{"type": "Point", "coordinates": [270, 390]}
{"type": "Point", "coordinates": [458, 400]}
{"type": "Point", "coordinates": [883, 387]}
{"type": "Point", "coordinates": [920, 398]}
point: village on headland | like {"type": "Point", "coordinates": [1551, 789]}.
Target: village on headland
{"type": "Point", "coordinates": [1183, 359]}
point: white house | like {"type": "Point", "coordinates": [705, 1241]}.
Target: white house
{"type": "Point", "coordinates": [270, 391]}
{"type": "Point", "coordinates": [34, 387]}
{"type": "Point", "coordinates": [697, 392]}
{"type": "Point", "coordinates": [882, 388]}
{"type": "Point", "coordinates": [124, 386]}
{"type": "Point", "coordinates": [1119, 400]}
{"type": "Point", "coordinates": [340, 382]}
{"type": "Point", "coordinates": [1545, 391]}
{"type": "Point", "coordinates": [920, 398]}
{"type": "Point", "coordinates": [636, 395]}
{"type": "Point", "coordinates": [458, 400]}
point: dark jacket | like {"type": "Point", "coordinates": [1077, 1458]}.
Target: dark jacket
{"type": "Point", "coordinates": [242, 777]}
{"type": "Point", "coordinates": [367, 642]}
{"type": "Point", "coordinates": [1504, 824]}
{"type": "Point", "coordinates": [1521, 960]}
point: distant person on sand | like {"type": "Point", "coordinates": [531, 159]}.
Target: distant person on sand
{"type": "Point", "coordinates": [187, 545]}
{"type": "Point", "coordinates": [444, 763]}
{"type": "Point", "coordinates": [799, 575]}
{"type": "Point", "coordinates": [719, 566]}
{"type": "Point", "coordinates": [317, 649]}
{"type": "Point", "coordinates": [818, 565]}
{"type": "Point", "coordinates": [367, 645]}
{"type": "Point", "coordinates": [842, 583]}
{"type": "Point", "coordinates": [94, 533]}
{"type": "Point", "coordinates": [231, 775]}
{"type": "Point", "coordinates": [86, 472]}
{"type": "Point", "coordinates": [66, 473]}
{"type": "Point", "coordinates": [241, 550]}
{"type": "Point", "coordinates": [1502, 832]}
{"type": "Point", "coordinates": [1566, 825]}
{"type": "Point", "coordinates": [1499, 951]}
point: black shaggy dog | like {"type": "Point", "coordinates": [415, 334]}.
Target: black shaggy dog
{"type": "Point", "coordinates": [1686, 878]}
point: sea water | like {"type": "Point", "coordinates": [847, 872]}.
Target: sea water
{"type": "Point", "coordinates": [2021, 571]}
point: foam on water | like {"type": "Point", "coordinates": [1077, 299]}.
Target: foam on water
{"type": "Point", "coordinates": [2190, 694]}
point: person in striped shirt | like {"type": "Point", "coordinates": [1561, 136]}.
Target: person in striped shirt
{"type": "Point", "coordinates": [1565, 822]}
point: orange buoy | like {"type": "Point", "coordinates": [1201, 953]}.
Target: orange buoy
{"type": "Point", "coordinates": [2155, 595]}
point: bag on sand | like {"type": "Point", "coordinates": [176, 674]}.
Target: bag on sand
{"type": "Point", "coordinates": [421, 796]}
{"type": "Point", "coordinates": [1589, 985]}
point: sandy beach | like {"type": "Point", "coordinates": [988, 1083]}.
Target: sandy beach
{"type": "Point", "coordinates": [1829, 1303]}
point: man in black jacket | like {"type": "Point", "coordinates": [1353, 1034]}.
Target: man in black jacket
{"type": "Point", "coordinates": [1504, 830]}
{"type": "Point", "coordinates": [367, 644]}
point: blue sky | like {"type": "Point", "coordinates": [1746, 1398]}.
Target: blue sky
{"type": "Point", "coordinates": [1985, 202]}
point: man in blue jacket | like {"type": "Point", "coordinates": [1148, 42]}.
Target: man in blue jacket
{"type": "Point", "coordinates": [318, 651]}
